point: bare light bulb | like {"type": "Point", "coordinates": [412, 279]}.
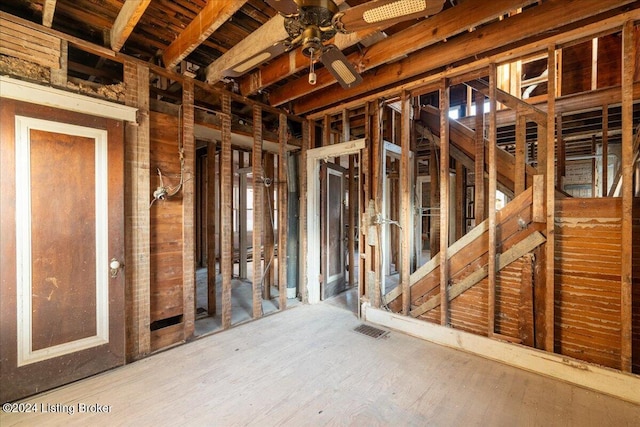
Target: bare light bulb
{"type": "Point", "coordinates": [312, 78]}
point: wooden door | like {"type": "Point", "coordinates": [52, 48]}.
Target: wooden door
{"type": "Point", "coordinates": [62, 222]}
{"type": "Point", "coordinates": [332, 230]}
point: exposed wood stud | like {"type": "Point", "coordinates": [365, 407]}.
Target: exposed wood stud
{"type": "Point", "coordinates": [460, 200]}
{"type": "Point", "coordinates": [188, 210]}
{"type": "Point", "coordinates": [137, 213]}
{"type": "Point", "coordinates": [226, 220]}
{"type": "Point", "coordinates": [59, 76]}
{"type": "Point", "coordinates": [444, 201]}
{"type": "Point", "coordinates": [127, 19]}
{"type": "Point", "coordinates": [307, 129]}
{"type": "Point", "coordinates": [550, 201]}
{"type": "Point", "coordinates": [605, 150]}
{"type": "Point", "coordinates": [406, 194]}
{"type": "Point", "coordinates": [283, 211]}
{"type": "Point", "coordinates": [377, 195]}
{"type": "Point", "coordinates": [561, 156]}
{"type": "Point", "coordinates": [365, 186]}
{"type": "Point", "coordinates": [629, 58]}
{"type": "Point", "coordinates": [267, 224]}
{"type": "Point", "coordinates": [479, 183]}
{"type": "Point", "coordinates": [212, 185]}
{"type": "Point", "coordinates": [241, 203]}
{"type": "Point", "coordinates": [326, 130]}
{"type": "Point", "coordinates": [258, 188]}
{"type": "Point", "coordinates": [353, 199]}
{"type": "Point", "coordinates": [493, 181]}
{"type": "Point", "coordinates": [521, 155]}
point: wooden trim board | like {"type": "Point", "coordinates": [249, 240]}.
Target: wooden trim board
{"type": "Point", "coordinates": [45, 95]}
{"type": "Point", "coordinates": [614, 383]}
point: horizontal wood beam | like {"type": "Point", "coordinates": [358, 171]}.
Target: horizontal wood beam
{"type": "Point", "coordinates": [546, 18]}
{"type": "Point", "coordinates": [517, 104]}
{"type": "Point", "coordinates": [467, 14]}
{"type": "Point", "coordinates": [127, 19]}
{"type": "Point", "coordinates": [210, 18]}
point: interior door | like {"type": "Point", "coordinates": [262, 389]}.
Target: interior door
{"type": "Point", "coordinates": [332, 229]}
{"type": "Point", "coordinates": [62, 223]}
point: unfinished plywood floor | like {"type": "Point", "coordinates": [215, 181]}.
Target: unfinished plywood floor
{"type": "Point", "coordinates": [307, 367]}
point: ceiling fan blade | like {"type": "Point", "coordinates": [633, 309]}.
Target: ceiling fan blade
{"type": "Point", "coordinates": [257, 59]}
{"type": "Point", "coordinates": [385, 12]}
{"type": "Point", "coordinates": [340, 67]}
{"type": "Point", "coordinates": [285, 7]}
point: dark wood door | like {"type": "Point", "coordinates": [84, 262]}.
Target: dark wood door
{"type": "Point", "coordinates": [332, 230]}
{"type": "Point", "coordinates": [62, 220]}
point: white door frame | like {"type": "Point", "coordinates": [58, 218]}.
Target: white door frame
{"type": "Point", "coordinates": [312, 260]}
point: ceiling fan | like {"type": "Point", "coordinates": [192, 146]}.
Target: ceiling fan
{"type": "Point", "coordinates": [311, 23]}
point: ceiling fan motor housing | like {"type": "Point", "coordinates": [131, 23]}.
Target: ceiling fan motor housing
{"type": "Point", "coordinates": [312, 13]}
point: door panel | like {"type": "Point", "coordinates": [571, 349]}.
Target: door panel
{"type": "Point", "coordinates": [62, 221]}
{"type": "Point", "coordinates": [332, 228]}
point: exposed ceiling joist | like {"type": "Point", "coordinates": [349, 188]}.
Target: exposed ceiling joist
{"type": "Point", "coordinates": [449, 22]}
{"type": "Point", "coordinates": [532, 22]}
{"type": "Point", "coordinates": [47, 12]}
{"type": "Point", "coordinates": [129, 15]}
{"type": "Point", "coordinates": [214, 14]}
{"type": "Point", "coordinates": [257, 42]}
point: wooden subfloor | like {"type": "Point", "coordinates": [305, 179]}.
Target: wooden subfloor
{"type": "Point", "coordinates": [307, 367]}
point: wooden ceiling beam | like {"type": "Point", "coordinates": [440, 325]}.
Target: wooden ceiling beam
{"type": "Point", "coordinates": [531, 23]}
{"type": "Point", "coordinates": [260, 40]}
{"type": "Point", "coordinates": [449, 22]}
{"type": "Point", "coordinates": [130, 14]}
{"type": "Point", "coordinates": [214, 14]}
{"type": "Point", "coordinates": [47, 12]}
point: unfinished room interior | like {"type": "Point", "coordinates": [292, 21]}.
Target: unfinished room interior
{"type": "Point", "coordinates": [320, 212]}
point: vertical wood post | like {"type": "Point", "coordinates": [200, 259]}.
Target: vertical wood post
{"type": "Point", "coordinates": [561, 160]}
{"type": "Point", "coordinates": [480, 191]}
{"type": "Point", "coordinates": [137, 215]}
{"type": "Point", "coordinates": [444, 201]}
{"type": "Point", "coordinates": [493, 183]}
{"type": "Point", "coordinates": [353, 197]}
{"type": "Point", "coordinates": [326, 130]}
{"type": "Point", "coordinates": [307, 130]}
{"type": "Point", "coordinates": [188, 210]}
{"type": "Point", "coordinates": [267, 225]}
{"type": "Point", "coordinates": [460, 198]}
{"type": "Point", "coordinates": [550, 202]}
{"type": "Point", "coordinates": [211, 228]}
{"type": "Point", "coordinates": [365, 186]}
{"type": "Point", "coordinates": [377, 195]}
{"type": "Point", "coordinates": [241, 203]}
{"type": "Point", "coordinates": [59, 76]}
{"type": "Point", "coordinates": [283, 209]}
{"type": "Point", "coordinates": [258, 187]}
{"type": "Point", "coordinates": [405, 200]}
{"type": "Point", "coordinates": [520, 180]}
{"type": "Point", "coordinates": [226, 221]}
{"type": "Point", "coordinates": [605, 150]}
{"type": "Point", "coordinates": [629, 57]}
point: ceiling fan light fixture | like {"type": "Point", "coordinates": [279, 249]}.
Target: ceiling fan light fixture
{"type": "Point", "coordinates": [394, 10]}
